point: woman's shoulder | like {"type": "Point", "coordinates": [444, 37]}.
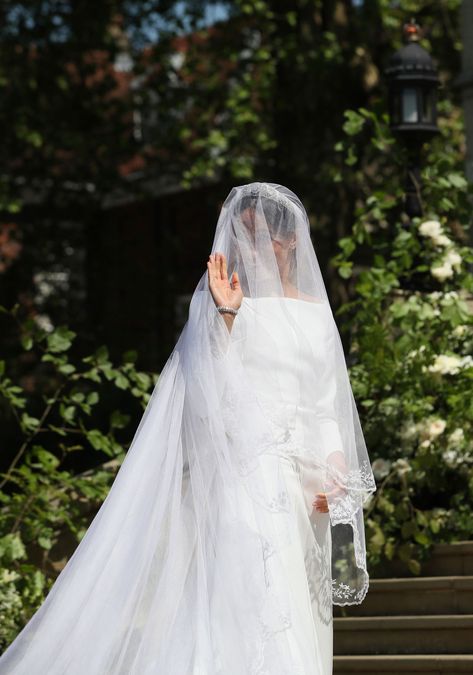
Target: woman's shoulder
{"type": "Point", "coordinates": [310, 298]}
{"type": "Point", "coordinates": [279, 300]}
{"type": "Point", "coordinates": [291, 295]}
{"type": "Point", "coordinates": [295, 293]}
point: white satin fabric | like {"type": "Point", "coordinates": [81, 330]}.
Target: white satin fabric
{"type": "Point", "coordinates": [287, 363]}
{"type": "Point", "coordinates": [309, 636]}
{"type": "Point", "coordinates": [304, 640]}
{"type": "Point", "coordinates": [307, 557]}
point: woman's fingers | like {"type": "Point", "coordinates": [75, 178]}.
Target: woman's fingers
{"type": "Point", "coordinates": [217, 265]}
{"type": "Point", "coordinates": [321, 498]}
{"type": "Point", "coordinates": [223, 267]}
{"type": "Point", "coordinates": [214, 274]}
{"type": "Point", "coordinates": [320, 502]}
{"type": "Point", "coordinates": [321, 508]}
{"type": "Point", "coordinates": [235, 281]}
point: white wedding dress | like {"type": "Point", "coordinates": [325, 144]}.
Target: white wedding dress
{"type": "Point", "coordinates": [206, 557]}
{"type": "Point", "coordinates": [307, 558]}
{"type": "Point", "coordinates": [304, 641]}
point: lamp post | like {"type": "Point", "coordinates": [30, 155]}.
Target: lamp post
{"type": "Point", "coordinates": [413, 81]}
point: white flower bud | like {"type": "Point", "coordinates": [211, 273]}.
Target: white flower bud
{"type": "Point", "coordinates": [441, 272]}
{"type": "Point", "coordinates": [430, 228]}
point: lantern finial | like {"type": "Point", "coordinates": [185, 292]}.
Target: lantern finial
{"type": "Point", "coordinates": [413, 81]}
{"type": "Point", "coordinates": [411, 31]}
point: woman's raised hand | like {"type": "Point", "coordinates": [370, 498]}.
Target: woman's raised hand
{"type": "Point", "coordinates": [224, 291]}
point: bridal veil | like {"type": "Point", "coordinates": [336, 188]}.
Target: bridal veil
{"type": "Point", "coordinates": [180, 571]}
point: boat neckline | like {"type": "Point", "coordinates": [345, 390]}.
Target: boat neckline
{"type": "Point", "coordinates": [285, 297]}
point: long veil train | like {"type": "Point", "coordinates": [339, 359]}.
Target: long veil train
{"type": "Point", "coordinates": [180, 571]}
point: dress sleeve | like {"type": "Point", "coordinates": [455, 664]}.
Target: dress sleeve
{"type": "Point", "coordinates": [326, 400]}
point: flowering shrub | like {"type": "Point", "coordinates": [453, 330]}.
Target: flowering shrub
{"type": "Point", "coordinates": [411, 334]}
{"type": "Point", "coordinates": [448, 259]}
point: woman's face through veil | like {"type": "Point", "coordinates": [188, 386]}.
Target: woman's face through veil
{"type": "Point", "coordinates": [258, 228]}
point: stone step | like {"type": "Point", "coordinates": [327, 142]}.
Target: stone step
{"type": "Point", "coordinates": [425, 664]}
{"type": "Point", "coordinates": [450, 559]}
{"type": "Point", "coordinates": [414, 596]}
{"type": "Point", "coordinates": [444, 560]}
{"type": "Point", "coordinates": [433, 634]}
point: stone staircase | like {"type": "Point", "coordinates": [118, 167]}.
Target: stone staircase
{"type": "Point", "coordinates": [412, 625]}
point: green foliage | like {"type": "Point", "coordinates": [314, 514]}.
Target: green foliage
{"type": "Point", "coordinates": [58, 408]}
{"type": "Point", "coordinates": [411, 329]}
{"type": "Point", "coordinates": [152, 88]}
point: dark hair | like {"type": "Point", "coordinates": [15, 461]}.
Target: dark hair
{"type": "Point", "coordinates": [277, 215]}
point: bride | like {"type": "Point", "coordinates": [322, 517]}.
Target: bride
{"type": "Point", "coordinates": [236, 519]}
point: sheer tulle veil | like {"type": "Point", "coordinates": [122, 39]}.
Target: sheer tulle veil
{"type": "Point", "coordinates": [180, 571]}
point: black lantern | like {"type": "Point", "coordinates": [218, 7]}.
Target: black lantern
{"type": "Point", "coordinates": [413, 82]}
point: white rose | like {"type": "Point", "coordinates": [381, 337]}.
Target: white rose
{"type": "Point", "coordinates": [442, 240]}
{"type": "Point", "coordinates": [460, 330]}
{"type": "Point", "coordinates": [436, 427]}
{"type": "Point", "coordinates": [467, 361]}
{"type": "Point", "coordinates": [453, 258]}
{"type": "Point", "coordinates": [381, 467]}
{"type": "Point", "coordinates": [446, 365]}
{"type": "Point", "coordinates": [450, 457]}
{"type": "Point", "coordinates": [402, 466]}
{"type": "Point", "coordinates": [456, 437]}
{"type": "Point", "coordinates": [441, 272]}
{"type": "Point", "coordinates": [430, 228]}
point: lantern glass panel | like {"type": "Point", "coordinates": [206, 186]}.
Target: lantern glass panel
{"type": "Point", "coordinates": [427, 106]}
{"type": "Point", "coordinates": [410, 112]}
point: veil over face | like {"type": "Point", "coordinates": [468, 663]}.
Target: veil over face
{"type": "Point", "coordinates": [182, 569]}
{"type": "Point", "coordinates": [266, 231]}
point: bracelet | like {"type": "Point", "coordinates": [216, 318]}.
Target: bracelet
{"type": "Point", "coordinates": [225, 308]}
